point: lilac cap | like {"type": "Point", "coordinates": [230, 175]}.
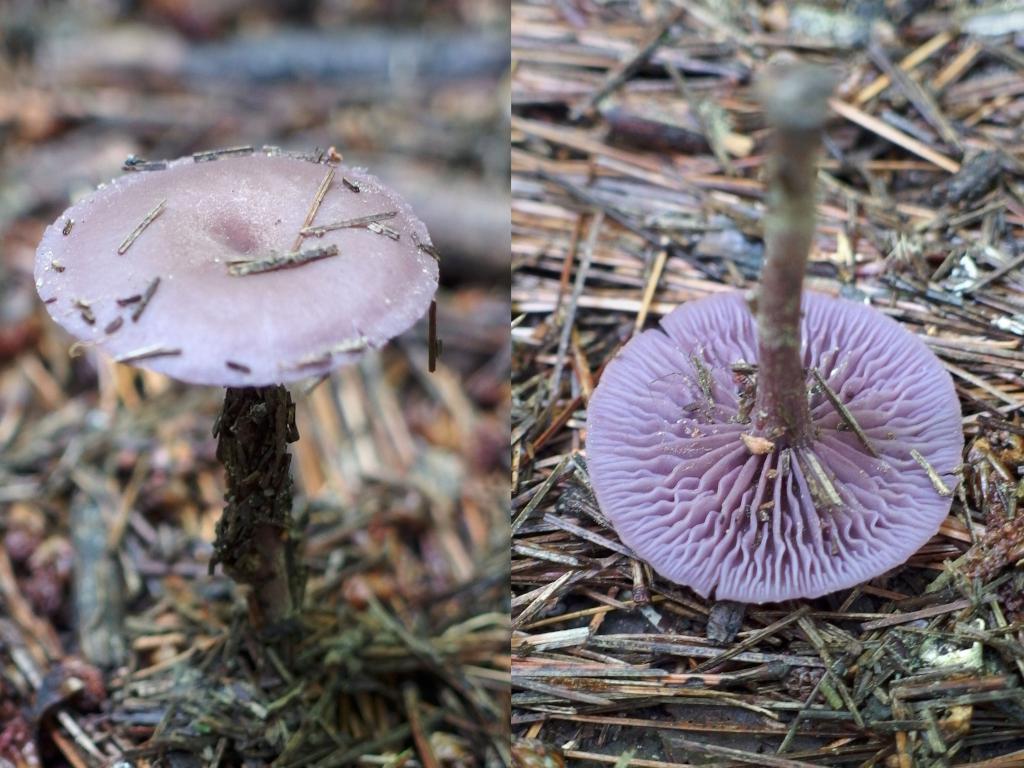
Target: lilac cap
{"type": "Point", "coordinates": [716, 512]}
{"type": "Point", "coordinates": [180, 270]}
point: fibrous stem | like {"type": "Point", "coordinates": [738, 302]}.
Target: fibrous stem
{"type": "Point", "coordinates": [254, 538]}
{"type": "Point", "coordinates": [795, 102]}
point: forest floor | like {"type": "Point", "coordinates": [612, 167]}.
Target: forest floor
{"type": "Point", "coordinates": [116, 646]}
{"type": "Point", "coordinates": [637, 181]}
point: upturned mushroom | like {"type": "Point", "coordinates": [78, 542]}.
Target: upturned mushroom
{"type": "Point", "coordinates": [248, 270]}
{"type": "Point", "coordinates": [785, 447]}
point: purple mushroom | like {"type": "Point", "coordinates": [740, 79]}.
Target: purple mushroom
{"type": "Point", "coordinates": [244, 269]}
{"type": "Point", "coordinates": [789, 454]}
{"type": "Point", "coordinates": [748, 519]}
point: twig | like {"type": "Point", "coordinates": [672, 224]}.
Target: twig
{"type": "Point", "coordinates": [621, 73]}
{"type": "Point", "coordinates": [281, 261]}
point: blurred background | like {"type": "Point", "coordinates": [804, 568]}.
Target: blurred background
{"type": "Point", "coordinates": [115, 645]}
{"type": "Point", "coordinates": [416, 91]}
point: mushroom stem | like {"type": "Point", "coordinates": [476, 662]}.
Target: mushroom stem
{"type": "Point", "coordinates": [254, 533]}
{"type": "Point", "coordinates": [795, 103]}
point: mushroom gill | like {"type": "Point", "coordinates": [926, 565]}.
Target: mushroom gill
{"type": "Point", "coordinates": [711, 510]}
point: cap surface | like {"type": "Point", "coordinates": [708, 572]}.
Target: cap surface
{"type": "Point", "coordinates": [689, 495]}
{"type": "Point", "coordinates": [172, 300]}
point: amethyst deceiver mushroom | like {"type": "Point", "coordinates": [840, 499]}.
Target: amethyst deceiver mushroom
{"type": "Point", "coordinates": [792, 452]}
{"type": "Point", "coordinates": [204, 290]}
{"type": "Point", "coordinates": [245, 270]}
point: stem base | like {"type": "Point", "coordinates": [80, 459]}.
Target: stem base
{"type": "Point", "coordinates": [254, 541]}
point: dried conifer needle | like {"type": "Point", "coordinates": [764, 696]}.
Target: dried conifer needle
{"type": "Point", "coordinates": [940, 487]}
{"type": "Point", "coordinates": [146, 353]}
{"type": "Point", "coordinates": [133, 163]}
{"type": "Point", "coordinates": [383, 229]}
{"type": "Point", "coordinates": [149, 218]}
{"type": "Point", "coordinates": [844, 412]}
{"type": "Point", "coordinates": [432, 344]}
{"type": "Point", "coordinates": [819, 482]}
{"type": "Point", "coordinates": [281, 261]}
{"type": "Point", "coordinates": [213, 154]}
{"type": "Point", "coordinates": [359, 221]}
{"type": "Point", "coordinates": [703, 379]}
{"type": "Point", "coordinates": [144, 301]}
{"type": "Point", "coordinates": [427, 248]}
{"type": "Point", "coordinates": [358, 344]}
{"type": "Point", "coordinates": [318, 200]}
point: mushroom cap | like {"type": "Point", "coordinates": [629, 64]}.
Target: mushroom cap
{"type": "Point", "coordinates": [685, 491]}
{"type": "Point", "coordinates": [253, 330]}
